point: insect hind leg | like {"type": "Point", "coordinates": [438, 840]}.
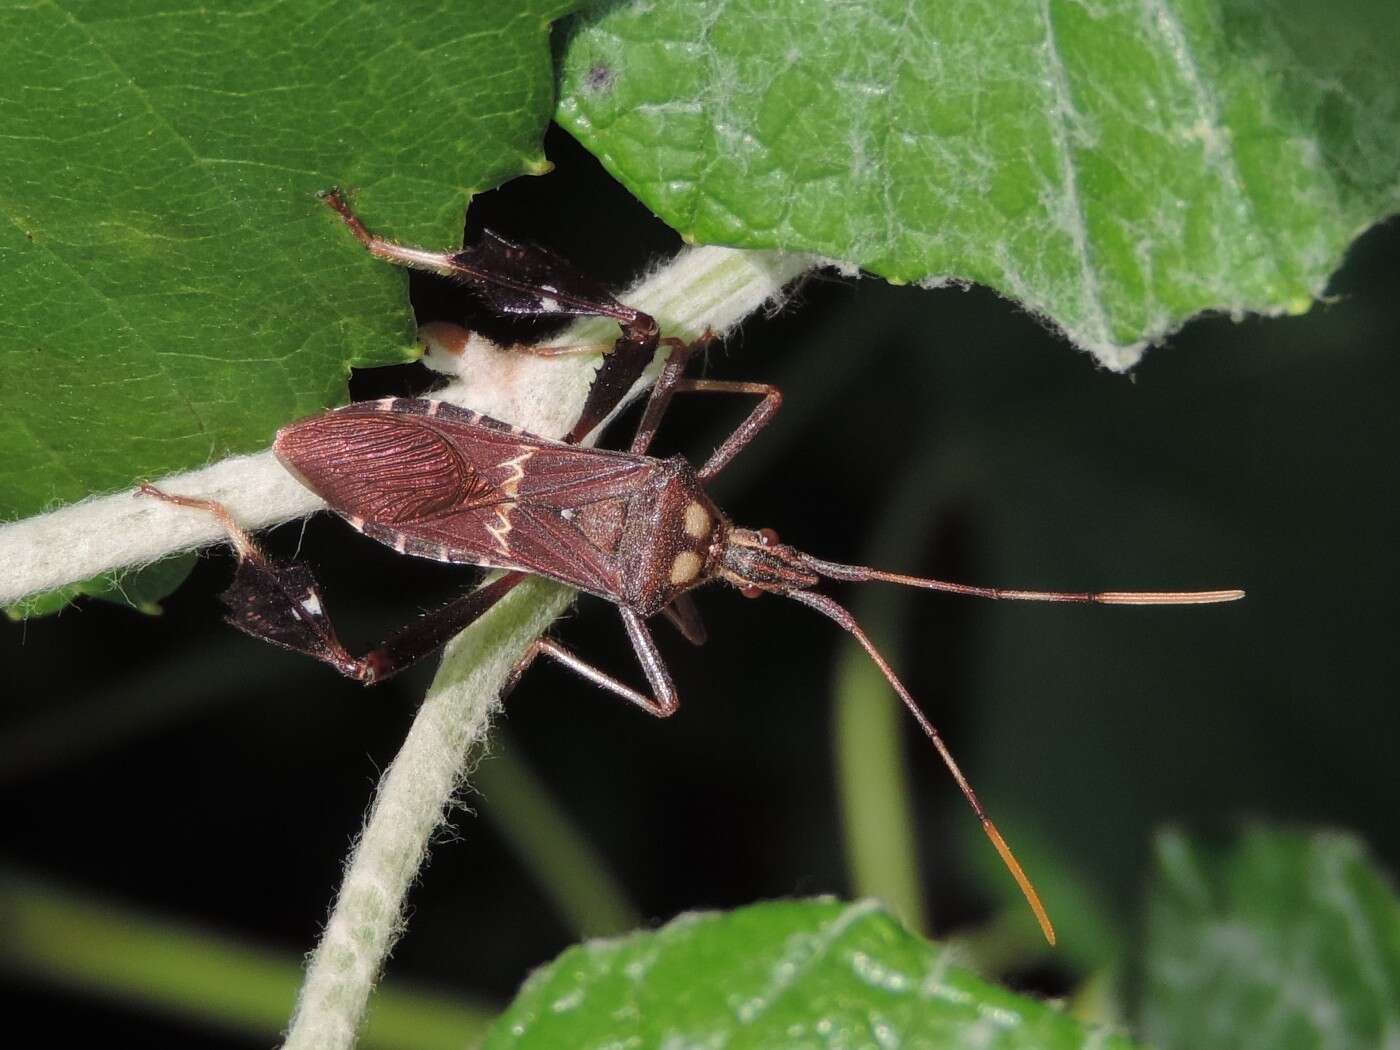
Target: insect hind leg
{"type": "Point", "coordinates": [280, 602]}
{"type": "Point", "coordinates": [525, 280]}
{"type": "Point", "coordinates": [619, 372]}
{"type": "Point", "coordinates": [390, 251]}
{"type": "Point", "coordinates": [242, 543]}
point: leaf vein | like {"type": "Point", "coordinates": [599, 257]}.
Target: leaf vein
{"type": "Point", "coordinates": [1062, 113]}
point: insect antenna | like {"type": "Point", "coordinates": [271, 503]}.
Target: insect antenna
{"type": "Point", "coordinates": [862, 574]}
{"type": "Point", "coordinates": [843, 618]}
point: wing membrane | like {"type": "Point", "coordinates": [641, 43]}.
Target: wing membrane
{"type": "Point", "coordinates": [381, 467]}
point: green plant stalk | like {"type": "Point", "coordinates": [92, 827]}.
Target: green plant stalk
{"type": "Point", "coordinates": [573, 875]}
{"type": "Point", "coordinates": [868, 722]}
{"type": "Point", "coordinates": [59, 937]}
{"type": "Point", "coordinates": [700, 288]}
{"type": "Point", "coordinates": [873, 776]}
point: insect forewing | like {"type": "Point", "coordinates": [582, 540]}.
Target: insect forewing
{"type": "Point", "coordinates": [436, 481]}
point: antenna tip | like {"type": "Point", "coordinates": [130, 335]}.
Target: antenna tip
{"type": "Point", "coordinates": [1169, 597]}
{"type": "Point", "coordinates": [1017, 873]}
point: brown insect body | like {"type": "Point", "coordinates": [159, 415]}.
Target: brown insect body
{"type": "Point", "coordinates": [672, 539]}
{"type": "Point", "coordinates": [436, 481]}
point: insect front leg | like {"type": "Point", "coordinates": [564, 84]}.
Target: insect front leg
{"type": "Point", "coordinates": [667, 701]}
{"type": "Point", "coordinates": [746, 431]}
{"type": "Point", "coordinates": [672, 382]}
{"type": "Point", "coordinates": [667, 383]}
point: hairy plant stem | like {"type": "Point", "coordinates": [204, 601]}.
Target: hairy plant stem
{"type": "Point", "coordinates": [413, 797]}
{"type": "Point", "coordinates": [701, 288]}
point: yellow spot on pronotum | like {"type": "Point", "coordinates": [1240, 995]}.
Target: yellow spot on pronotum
{"type": "Point", "coordinates": [685, 568]}
{"type": "Point", "coordinates": [1032, 898]}
{"type": "Point", "coordinates": [697, 521]}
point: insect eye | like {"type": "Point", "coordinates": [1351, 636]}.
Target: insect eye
{"type": "Point", "coordinates": [750, 592]}
{"type": "Point", "coordinates": [768, 537]}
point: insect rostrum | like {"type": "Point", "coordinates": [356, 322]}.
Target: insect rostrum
{"type": "Point", "coordinates": [437, 481]}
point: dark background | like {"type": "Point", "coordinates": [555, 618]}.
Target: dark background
{"type": "Point", "coordinates": [175, 765]}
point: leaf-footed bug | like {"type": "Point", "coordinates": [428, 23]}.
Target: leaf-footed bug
{"type": "Point", "coordinates": [437, 481]}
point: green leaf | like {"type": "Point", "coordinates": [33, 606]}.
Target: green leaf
{"type": "Point", "coordinates": [1286, 940]}
{"type": "Point", "coordinates": [791, 974]}
{"type": "Point", "coordinates": [142, 589]}
{"type": "Point", "coordinates": [173, 289]}
{"type": "Point", "coordinates": [1117, 166]}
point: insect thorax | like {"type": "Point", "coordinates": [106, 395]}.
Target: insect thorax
{"type": "Point", "coordinates": [671, 539]}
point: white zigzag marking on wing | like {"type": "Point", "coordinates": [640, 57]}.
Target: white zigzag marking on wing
{"type": "Point", "coordinates": [510, 487]}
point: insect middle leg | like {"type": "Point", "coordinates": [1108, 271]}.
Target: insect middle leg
{"type": "Point", "coordinates": [663, 704]}
{"type": "Point", "coordinates": [746, 431]}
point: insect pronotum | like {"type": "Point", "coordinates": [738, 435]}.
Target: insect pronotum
{"type": "Point", "coordinates": [437, 481]}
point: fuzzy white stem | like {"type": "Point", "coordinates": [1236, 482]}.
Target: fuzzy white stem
{"type": "Point", "coordinates": [84, 539]}
{"type": "Point", "coordinates": [702, 287]}
{"type": "Point", "coordinates": [413, 797]}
